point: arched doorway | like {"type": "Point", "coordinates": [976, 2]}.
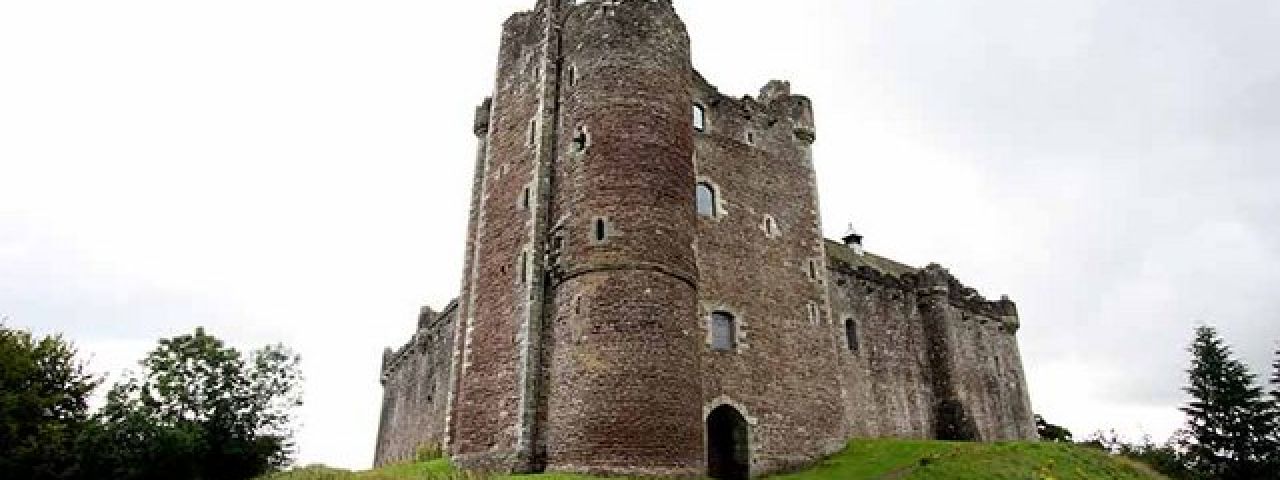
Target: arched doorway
{"type": "Point", "coordinates": [728, 456]}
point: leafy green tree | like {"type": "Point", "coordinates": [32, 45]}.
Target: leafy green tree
{"type": "Point", "coordinates": [1230, 424]}
{"type": "Point", "coordinates": [1050, 432]}
{"type": "Point", "coordinates": [44, 395]}
{"type": "Point", "coordinates": [202, 410]}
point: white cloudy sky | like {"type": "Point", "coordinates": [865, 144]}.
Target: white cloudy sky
{"type": "Point", "coordinates": [297, 171]}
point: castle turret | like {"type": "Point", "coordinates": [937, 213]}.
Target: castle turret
{"type": "Point", "coordinates": [622, 348]}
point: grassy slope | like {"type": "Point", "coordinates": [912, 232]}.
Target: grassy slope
{"type": "Point", "coordinates": [863, 459]}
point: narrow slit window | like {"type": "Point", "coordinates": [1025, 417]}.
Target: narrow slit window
{"type": "Point", "coordinates": [699, 118]}
{"type": "Point", "coordinates": [706, 200]}
{"type": "Point", "coordinates": [524, 199]}
{"type": "Point", "coordinates": [770, 226]}
{"type": "Point", "coordinates": [723, 331]}
{"type": "Point", "coordinates": [601, 230]}
{"type": "Point", "coordinates": [573, 75]}
{"type": "Point", "coordinates": [524, 267]}
{"type": "Point", "coordinates": [751, 138]}
{"type": "Point", "coordinates": [813, 269]}
{"type": "Point", "coordinates": [533, 131]}
{"type": "Point", "coordinates": [851, 334]}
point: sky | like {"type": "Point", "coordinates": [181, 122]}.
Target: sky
{"type": "Point", "coordinates": [298, 171]}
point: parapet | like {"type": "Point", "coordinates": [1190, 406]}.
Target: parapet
{"type": "Point", "coordinates": [933, 279]}
{"type": "Point", "coordinates": [481, 124]}
{"type": "Point", "coordinates": [429, 325]}
{"type": "Point", "coordinates": [775, 106]}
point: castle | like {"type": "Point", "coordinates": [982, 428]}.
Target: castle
{"type": "Point", "coordinates": [647, 289]}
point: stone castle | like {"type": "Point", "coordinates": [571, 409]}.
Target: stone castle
{"type": "Point", "coordinates": [647, 289]}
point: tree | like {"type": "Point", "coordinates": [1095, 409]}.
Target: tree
{"type": "Point", "coordinates": [1230, 425]}
{"type": "Point", "coordinates": [1275, 379]}
{"type": "Point", "coordinates": [1050, 432]}
{"type": "Point", "coordinates": [201, 410]}
{"type": "Point", "coordinates": [44, 395]}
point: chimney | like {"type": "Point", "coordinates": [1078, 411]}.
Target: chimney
{"type": "Point", "coordinates": [853, 240]}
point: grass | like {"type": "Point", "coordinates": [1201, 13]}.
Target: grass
{"type": "Point", "coordinates": [862, 459]}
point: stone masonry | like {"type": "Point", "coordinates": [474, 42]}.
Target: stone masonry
{"type": "Point", "coordinates": [647, 289]}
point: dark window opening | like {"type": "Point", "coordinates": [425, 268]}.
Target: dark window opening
{"type": "Point", "coordinates": [813, 269]}
{"type": "Point", "coordinates": [601, 230]}
{"type": "Point", "coordinates": [533, 132]}
{"type": "Point", "coordinates": [706, 200]}
{"type": "Point", "coordinates": [851, 334]}
{"type": "Point", "coordinates": [724, 331]}
{"type": "Point", "coordinates": [770, 227]}
{"type": "Point", "coordinates": [751, 138]}
{"type": "Point", "coordinates": [580, 140]}
{"type": "Point", "coordinates": [573, 76]}
{"type": "Point", "coordinates": [524, 198]}
{"type": "Point", "coordinates": [524, 267]}
{"type": "Point", "coordinates": [728, 452]}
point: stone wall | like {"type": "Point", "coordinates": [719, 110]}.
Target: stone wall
{"type": "Point", "coordinates": [932, 358]}
{"type": "Point", "coordinates": [760, 259]}
{"type": "Point", "coordinates": [620, 341]}
{"type": "Point", "coordinates": [415, 389]}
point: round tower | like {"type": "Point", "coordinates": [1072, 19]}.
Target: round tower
{"type": "Point", "coordinates": [622, 356]}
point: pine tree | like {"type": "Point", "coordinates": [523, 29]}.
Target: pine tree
{"type": "Point", "coordinates": [1230, 422]}
{"type": "Point", "coordinates": [1275, 378]}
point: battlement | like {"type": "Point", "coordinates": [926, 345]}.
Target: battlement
{"type": "Point", "coordinates": [933, 279]}
{"type": "Point", "coordinates": [431, 327]}
{"type": "Point", "coordinates": [774, 108]}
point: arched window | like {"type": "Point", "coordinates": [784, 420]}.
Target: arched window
{"type": "Point", "coordinates": [724, 331]}
{"type": "Point", "coordinates": [851, 334]}
{"type": "Point", "coordinates": [706, 200]}
{"type": "Point", "coordinates": [699, 118]}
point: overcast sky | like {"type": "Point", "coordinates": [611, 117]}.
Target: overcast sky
{"type": "Point", "coordinates": [298, 171]}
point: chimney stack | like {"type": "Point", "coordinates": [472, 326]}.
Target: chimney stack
{"type": "Point", "coordinates": [853, 240]}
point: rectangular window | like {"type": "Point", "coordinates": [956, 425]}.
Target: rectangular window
{"type": "Point", "coordinates": [699, 118]}
{"type": "Point", "coordinates": [723, 331]}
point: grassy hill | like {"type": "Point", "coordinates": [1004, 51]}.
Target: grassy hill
{"type": "Point", "coordinates": [862, 459]}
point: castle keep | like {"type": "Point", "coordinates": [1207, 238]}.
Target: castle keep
{"type": "Point", "coordinates": [648, 292]}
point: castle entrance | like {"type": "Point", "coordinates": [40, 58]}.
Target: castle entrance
{"type": "Point", "coordinates": [728, 456]}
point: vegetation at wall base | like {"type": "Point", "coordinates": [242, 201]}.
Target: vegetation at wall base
{"type": "Point", "coordinates": [862, 459]}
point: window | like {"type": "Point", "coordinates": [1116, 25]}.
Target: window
{"type": "Point", "coordinates": [851, 334]}
{"type": "Point", "coordinates": [813, 313]}
{"type": "Point", "coordinates": [723, 331]}
{"type": "Point", "coordinates": [524, 199]}
{"type": "Point", "coordinates": [699, 118]}
{"type": "Point", "coordinates": [751, 138]}
{"type": "Point", "coordinates": [813, 269]}
{"type": "Point", "coordinates": [601, 230]}
{"type": "Point", "coordinates": [524, 267]}
{"type": "Point", "coordinates": [533, 131]}
{"type": "Point", "coordinates": [580, 140]}
{"type": "Point", "coordinates": [770, 226]}
{"type": "Point", "coordinates": [573, 75]}
{"type": "Point", "coordinates": [706, 200]}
